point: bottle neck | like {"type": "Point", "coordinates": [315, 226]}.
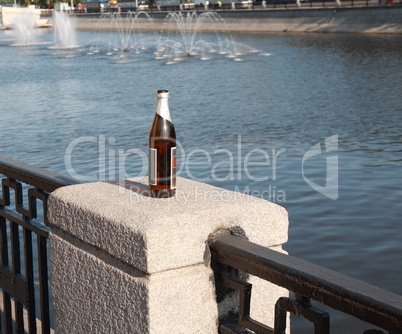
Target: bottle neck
{"type": "Point", "coordinates": [162, 106]}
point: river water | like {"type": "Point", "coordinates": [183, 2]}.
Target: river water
{"type": "Point", "coordinates": [309, 121]}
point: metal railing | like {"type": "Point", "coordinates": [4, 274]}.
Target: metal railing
{"type": "Point", "coordinates": [238, 6]}
{"type": "Point", "coordinates": [306, 281]}
{"type": "Point", "coordinates": [24, 281]}
{"type": "Point", "coordinates": [317, 4]}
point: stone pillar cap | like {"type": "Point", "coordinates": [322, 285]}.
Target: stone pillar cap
{"type": "Point", "coordinates": [155, 235]}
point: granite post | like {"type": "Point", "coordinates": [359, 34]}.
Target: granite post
{"type": "Point", "coordinates": [124, 262]}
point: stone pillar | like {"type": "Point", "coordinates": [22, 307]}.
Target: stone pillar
{"type": "Point", "coordinates": [123, 262]}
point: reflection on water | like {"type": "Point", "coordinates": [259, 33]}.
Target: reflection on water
{"type": "Point", "coordinates": [310, 88]}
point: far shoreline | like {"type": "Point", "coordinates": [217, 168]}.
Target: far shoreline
{"type": "Point", "coordinates": [373, 20]}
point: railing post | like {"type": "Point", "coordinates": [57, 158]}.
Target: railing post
{"type": "Point", "coordinates": [123, 262]}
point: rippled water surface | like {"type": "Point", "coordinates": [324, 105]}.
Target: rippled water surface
{"type": "Point", "coordinates": [285, 95]}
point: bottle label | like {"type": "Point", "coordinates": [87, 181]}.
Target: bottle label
{"type": "Point", "coordinates": [153, 168]}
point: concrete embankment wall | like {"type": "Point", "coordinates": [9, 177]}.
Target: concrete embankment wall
{"type": "Point", "coordinates": [9, 14]}
{"type": "Point", "coordinates": [381, 19]}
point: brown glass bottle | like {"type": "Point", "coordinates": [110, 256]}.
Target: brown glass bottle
{"type": "Point", "coordinates": [162, 150]}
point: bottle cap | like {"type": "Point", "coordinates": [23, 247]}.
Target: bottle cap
{"type": "Point", "coordinates": [163, 93]}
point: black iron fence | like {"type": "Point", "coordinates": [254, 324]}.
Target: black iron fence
{"type": "Point", "coordinates": [243, 5]}
{"type": "Point", "coordinates": [294, 4]}
{"type": "Point", "coordinates": [24, 283]}
{"type": "Point", "coordinates": [233, 257]}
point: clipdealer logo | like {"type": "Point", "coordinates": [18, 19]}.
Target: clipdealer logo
{"type": "Point", "coordinates": [331, 187]}
{"type": "Point", "coordinates": [229, 167]}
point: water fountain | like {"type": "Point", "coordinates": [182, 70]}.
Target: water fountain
{"type": "Point", "coordinates": [188, 27]}
{"type": "Point", "coordinates": [123, 36]}
{"type": "Point", "coordinates": [64, 30]}
{"type": "Point", "coordinates": [25, 28]}
{"type": "Point", "coordinates": [184, 38]}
